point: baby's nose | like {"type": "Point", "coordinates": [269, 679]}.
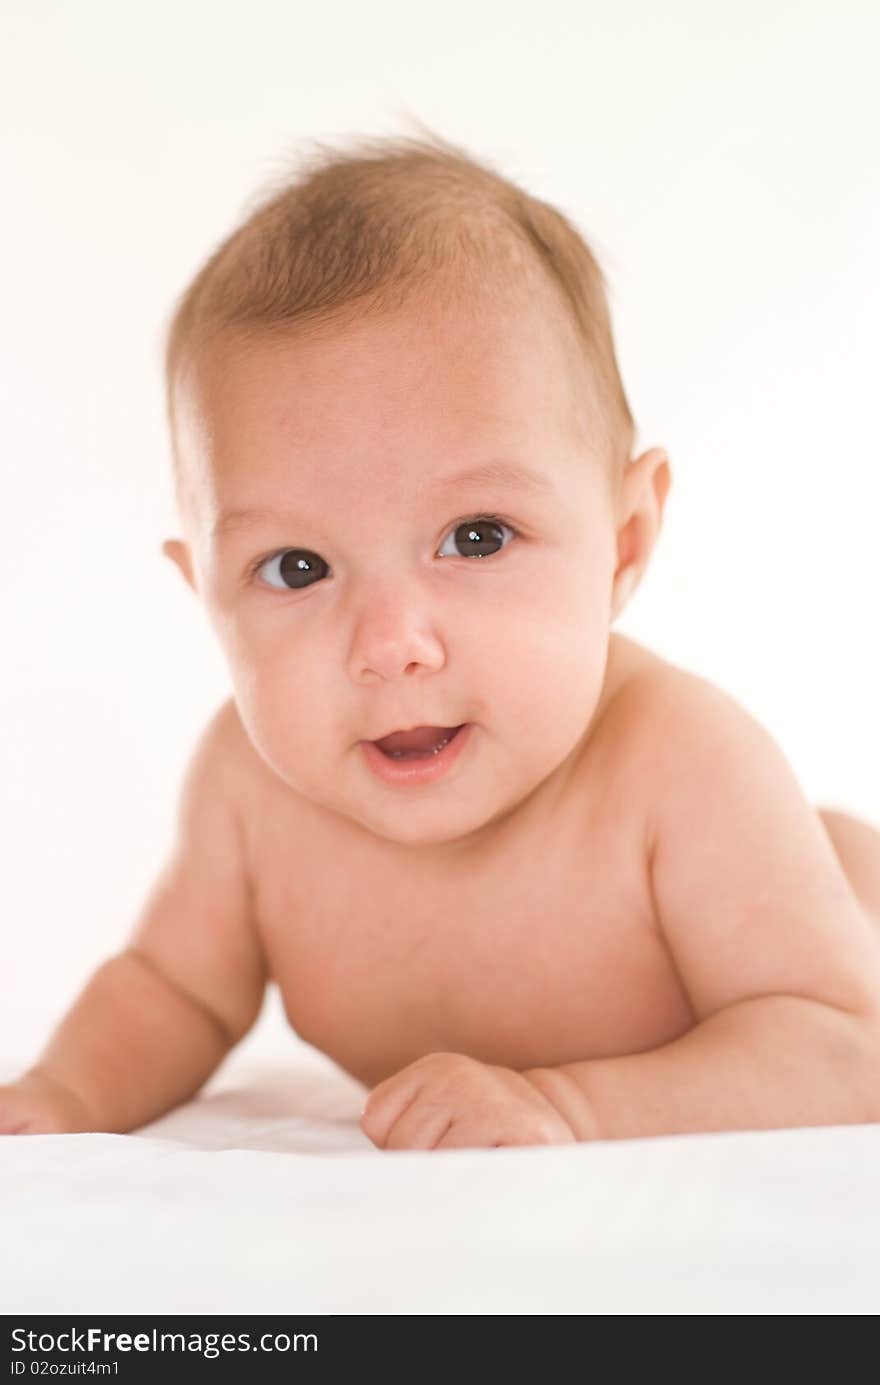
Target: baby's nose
{"type": "Point", "coordinates": [393, 638]}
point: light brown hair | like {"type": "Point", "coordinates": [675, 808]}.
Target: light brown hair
{"type": "Point", "coordinates": [361, 228]}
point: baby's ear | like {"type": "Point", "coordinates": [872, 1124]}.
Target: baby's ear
{"type": "Point", "coordinates": [179, 553]}
{"type": "Point", "coordinates": [645, 490]}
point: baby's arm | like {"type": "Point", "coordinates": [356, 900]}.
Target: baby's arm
{"type": "Point", "coordinates": [156, 1020]}
{"type": "Point", "coordinates": [780, 963]}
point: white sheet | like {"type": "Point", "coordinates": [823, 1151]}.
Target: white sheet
{"type": "Point", "coordinates": [263, 1196]}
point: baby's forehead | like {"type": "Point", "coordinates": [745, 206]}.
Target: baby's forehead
{"type": "Point", "coordinates": [443, 383]}
{"type": "Point", "coordinates": [510, 361]}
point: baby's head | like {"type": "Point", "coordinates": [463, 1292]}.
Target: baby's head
{"type": "Point", "coordinates": [403, 464]}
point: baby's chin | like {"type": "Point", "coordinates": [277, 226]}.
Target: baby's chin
{"type": "Point", "coordinates": [441, 824]}
{"type": "Point", "coordinates": [430, 829]}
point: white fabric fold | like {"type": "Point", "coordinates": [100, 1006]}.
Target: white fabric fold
{"type": "Point", "coordinates": [263, 1196]}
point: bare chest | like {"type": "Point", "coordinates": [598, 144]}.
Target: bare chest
{"type": "Point", "coordinates": [547, 953]}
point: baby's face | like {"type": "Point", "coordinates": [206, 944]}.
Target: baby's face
{"type": "Point", "coordinates": [378, 586]}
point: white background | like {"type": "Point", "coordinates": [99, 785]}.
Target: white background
{"type": "Point", "coordinates": [722, 160]}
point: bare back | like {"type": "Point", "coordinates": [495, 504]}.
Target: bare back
{"type": "Point", "coordinates": [541, 950]}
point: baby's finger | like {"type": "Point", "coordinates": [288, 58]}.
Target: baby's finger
{"type": "Point", "coordinates": [501, 1132]}
{"type": "Point", "coordinates": [471, 1134]}
{"type": "Point", "coordinates": [421, 1125]}
{"type": "Point", "coordinates": [385, 1105]}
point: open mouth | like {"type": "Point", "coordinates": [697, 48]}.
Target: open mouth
{"type": "Point", "coordinates": [418, 744]}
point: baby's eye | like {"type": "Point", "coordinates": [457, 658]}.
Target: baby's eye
{"type": "Point", "coordinates": [476, 535]}
{"type": "Point", "coordinates": [300, 567]}
{"type": "Point", "coordinates": [297, 568]}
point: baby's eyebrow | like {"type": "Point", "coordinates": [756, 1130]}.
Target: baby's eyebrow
{"type": "Point", "coordinates": [512, 474]}
{"type": "Point", "coordinates": [499, 473]}
{"type": "Point", "coordinates": [230, 521]}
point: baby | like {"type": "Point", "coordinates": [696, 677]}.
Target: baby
{"type": "Point", "coordinates": [527, 881]}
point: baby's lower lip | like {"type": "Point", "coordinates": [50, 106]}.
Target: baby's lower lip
{"type": "Point", "coordinates": [417, 769]}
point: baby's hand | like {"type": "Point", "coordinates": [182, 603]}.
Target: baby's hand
{"type": "Point", "coordinates": [38, 1105]}
{"type": "Point", "coordinates": [449, 1101]}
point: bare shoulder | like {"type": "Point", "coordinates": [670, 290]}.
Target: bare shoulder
{"type": "Point", "coordinates": [667, 706]}
{"type": "Point", "coordinates": [681, 736]}
{"type": "Point", "coordinates": [646, 699]}
{"type": "Point", "coordinates": [214, 785]}
{"type": "Point", "coordinates": [622, 765]}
